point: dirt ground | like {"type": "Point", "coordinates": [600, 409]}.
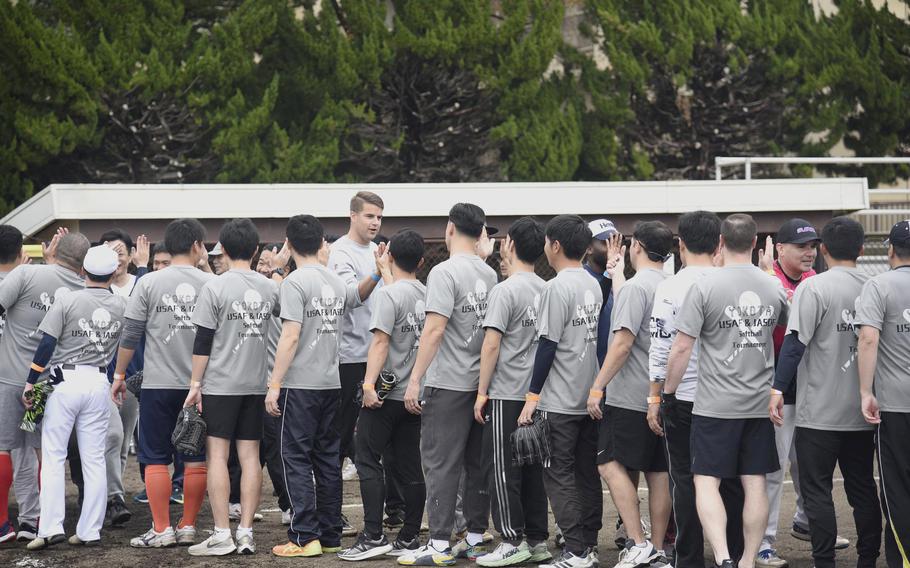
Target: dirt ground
{"type": "Point", "coordinates": [115, 550]}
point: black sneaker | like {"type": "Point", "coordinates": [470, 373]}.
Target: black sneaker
{"type": "Point", "coordinates": [347, 529]}
{"type": "Point", "coordinates": [366, 548]}
{"type": "Point", "coordinates": [27, 532]}
{"type": "Point", "coordinates": [725, 564]}
{"type": "Point", "coordinates": [393, 521]}
{"type": "Point", "coordinates": [117, 512]}
{"type": "Point", "coordinates": [400, 546]}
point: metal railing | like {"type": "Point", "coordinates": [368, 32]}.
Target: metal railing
{"type": "Point", "coordinates": [721, 162]}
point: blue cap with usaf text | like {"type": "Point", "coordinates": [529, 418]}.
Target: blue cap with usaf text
{"type": "Point", "coordinates": [900, 234]}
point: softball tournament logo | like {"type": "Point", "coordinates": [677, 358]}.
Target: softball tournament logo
{"type": "Point", "coordinates": [477, 303]}
{"type": "Point", "coordinates": [905, 327]}
{"type": "Point", "coordinates": [848, 324]}
{"type": "Point", "coordinates": [180, 305]}
{"type": "Point", "coordinates": [587, 315]}
{"type": "Point", "coordinates": [416, 320]}
{"type": "Point", "coordinates": [751, 318]}
{"type": "Point", "coordinates": [252, 312]}
{"type": "Point", "coordinates": [530, 321]}
{"type": "Point", "coordinates": [328, 307]}
{"type": "Point", "coordinates": [46, 301]}
{"type": "Point", "coordinates": [99, 331]}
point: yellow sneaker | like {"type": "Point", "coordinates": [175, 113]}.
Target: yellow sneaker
{"type": "Point", "coordinates": [330, 549]}
{"type": "Point", "coordinates": [291, 550]}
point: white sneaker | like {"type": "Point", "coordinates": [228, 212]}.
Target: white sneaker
{"type": "Point", "coordinates": [569, 560]}
{"type": "Point", "coordinates": [186, 536]}
{"type": "Point", "coordinates": [349, 471]}
{"type": "Point", "coordinates": [768, 558]}
{"type": "Point", "coordinates": [234, 513]}
{"type": "Point", "coordinates": [286, 517]}
{"type": "Point", "coordinates": [505, 555]}
{"type": "Point", "coordinates": [245, 544]}
{"type": "Point", "coordinates": [152, 539]}
{"type": "Point", "coordinates": [215, 545]}
{"type": "Point", "coordinates": [662, 560]}
{"type": "Point", "coordinates": [540, 553]}
{"type": "Point", "coordinates": [633, 556]}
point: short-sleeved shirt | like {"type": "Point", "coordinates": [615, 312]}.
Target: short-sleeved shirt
{"type": "Point", "coordinates": [512, 311]}
{"type": "Point", "coordinates": [732, 312]}
{"type": "Point", "coordinates": [317, 299]}
{"type": "Point", "coordinates": [87, 324]}
{"type": "Point", "coordinates": [27, 294]}
{"type": "Point", "coordinates": [668, 300]}
{"type": "Point", "coordinates": [885, 305]}
{"type": "Point", "coordinates": [166, 300]}
{"type": "Point", "coordinates": [823, 314]}
{"type": "Point", "coordinates": [353, 262]}
{"type": "Point", "coordinates": [632, 311]}
{"type": "Point", "coordinates": [238, 306]}
{"type": "Point", "coordinates": [569, 311]}
{"type": "Point", "coordinates": [457, 289]}
{"type": "Point", "coordinates": [399, 311]}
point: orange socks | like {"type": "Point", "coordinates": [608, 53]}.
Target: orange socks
{"type": "Point", "coordinates": [158, 489]}
{"type": "Point", "coordinates": [193, 493]}
{"type": "Point", "coordinates": [6, 481]}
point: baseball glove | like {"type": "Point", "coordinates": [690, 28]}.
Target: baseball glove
{"type": "Point", "coordinates": [531, 443]}
{"type": "Point", "coordinates": [35, 414]}
{"type": "Point", "coordinates": [189, 434]}
{"type": "Point", "coordinates": [387, 381]}
{"type": "Point", "coordinates": [134, 383]}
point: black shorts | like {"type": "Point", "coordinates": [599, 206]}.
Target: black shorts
{"type": "Point", "coordinates": [234, 417]}
{"type": "Point", "coordinates": [158, 412]}
{"type": "Point", "coordinates": [625, 437]}
{"type": "Point", "coordinates": [730, 447]}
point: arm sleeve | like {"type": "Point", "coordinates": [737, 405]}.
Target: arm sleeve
{"type": "Point", "coordinates": [603, 328]}
{"type": "Point", "coordinates": [543, 361]}
{"type": "Point", "coordinates": [791, 352]}
{"type": "Point", "coordinates": [42, 355]}
{"type": "Point", "coordinates": [132, 333]}
{"type": "Point", "coordinates": [203, 343]}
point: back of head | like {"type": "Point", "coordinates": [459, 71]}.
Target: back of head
{"type": "Point", "coordinates": [10, 244]}
{"type": "Point", "coordinates": [117, 235]}
{"type": "Point", "coordinates": [843, 237]}
{"type": "Point", "coordinates": [656, 238]}
{"type": "Point", "coordinates": [71, 250]}
{"type": "Point", "coordinates": [739, 231]}
{"type": "Point", "coordinates": [407, 249]}
{"type": "Point", "coordinates": [572, 234]}
{"type": "Point", "coordinates": [100, 263]}
{"type": "Point", "coordinates": [305, 234]}
{"type": "Point", "coordinates": [239, 239]}
{"type": "Point", "coordinates": [469, 219]}
{"type": "Point", "coordinates": [899, 240]}
{"type": "Point", "coordinates": [527, 235]}
{"type": "Point", "coordinates": [180, 235]}
{"type": "Point", "coordinates": [365, 197]}
{"type": "Point", "coordinates": [700, 231]}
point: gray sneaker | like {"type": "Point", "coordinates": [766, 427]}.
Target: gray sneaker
{"type": "Point", "coordinates": [245, 544]}
{"type": "Point", "coordinates": [540, 553]}
{"type": "Point", "coordinates": [152, 539]}
{"type": "Point", "coordinates": [215, 545]}
{"type": "Point", "coordinates": [186, 536]}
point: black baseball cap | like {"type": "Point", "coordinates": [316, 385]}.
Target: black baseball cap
{"type": "Point", "coordinates": [900, 234]}
{"type": "Point", "coordinates": [797, 232]}
{"type": "Point", "coordinates": [469, 219]}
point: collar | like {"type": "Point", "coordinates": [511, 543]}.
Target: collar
{"type": "Point", "coordinates": [598, 275]}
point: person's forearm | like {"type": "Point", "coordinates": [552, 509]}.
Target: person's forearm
{"type": "Point", "coordinates": [489, 356]}
{"type": "Point", "coordinates": [791, 353]}
{"type": "Point", "coordinates": [677, 363]}
{"type": "Point", "coordinates": [284, 355]}
{"type": "Point", "coordinates": [366, 286]}
{"type": "Point", "coordinates": [200, 362]}
{"type": "Point", "coordinates": [43, 354]}
{"type": "Point", "coordinates": [867, 358]}
{"type": "Point", "coordinates": [376, 357]}
{"type": "Point", "coordinates": [617, 355]}
{"type": "Point", "coordinates": [654, 388]}
{"type": "Point", "coordinates": [430, 341]}
{"type": "Point", "coordinates": [543, 362]}
{"type": "Point", "coordinates": [124, 356]}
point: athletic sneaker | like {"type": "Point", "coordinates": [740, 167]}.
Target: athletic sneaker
{"type": "Point", "coordinates": [215, 545]}
{"type": "Point", "coordinates": [152, 539]}
{"type": "Point", "coordinates": [426, 555]}
{"type": "Point", "coordinates": [366, 548]}
{"type": "Point", "coordinates": [234, 513]}
{"type": "Point", "coordinates": [505, 555]}
{"type": "Point", "coordinates": [186, 536]}
{"type": "Point", "coordinates": [7, 533]}
{"type": "Point", "coordinates": [569, 560]}
{"type": "Point", "coordinates": [633, 556]}
{"type": "Point", "coordinates": [662, 561]}
{"type": "Point", "coordinates": [725, 564]}
{"type": "Point", "coordinates": [349, 471]}
{"type": "Point", "coordinates": [540, 553]}
{"type": "Point", "coordinates": [393, 521]}
{"type": "Point", "coordinates": [291, 550]}
{"type": "Point", "coordinates": [286, 517]}
{"type": "Point", "coordinates": [41, 543]}
{"type": "Point", "coordinates": [117, 511]}
{"type": "Point", "coordinates": [177, 496]}
{"type": "Point", "coordinates": [347, 529]}
{"type": "Point", "coordinates": [592, 557]}
{"type": "Point", "coordinates": [470, 551]}
{"type": "Point", "coordinates": [559, 540]}
{"type": "Point", "coordinates": [330, 549]}
{"type": "Point", "coordinates": [76, 541]}
{"type": "Point", "coordinates": [768, 558]}
{"type": "Point", "coordinates": [621, 536]}
{"type": "Point", "coordinates": [141, 497]}
{"type": "Point", "coordinates": [802, 533]}
{"type": "Point", "coordinates": [245, 544]}
{"type": "Point", "coordinates": [27, 531]}
{"type": "Point", "coordinates": [400, 547]}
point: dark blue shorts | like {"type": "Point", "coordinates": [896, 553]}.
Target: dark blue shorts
{"type": "Point", "coordinates": [158, 411]}
{"type": "Point", "coordinates": [731, 447]}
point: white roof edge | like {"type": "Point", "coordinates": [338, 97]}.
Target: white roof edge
{"type": "Point", "coordinates": [168, 201]}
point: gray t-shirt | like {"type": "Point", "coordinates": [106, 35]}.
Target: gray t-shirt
{"type": "Point", "coordinates": [87, 325]}
{"type": "Point", "coordinates": [3, 317]}
{"type": "Point", "coordinates": [732, 312]}
{"type": "Point", "coordinates": [569, 311]}
{"type": "Point", "coordinates": [317, 299]}
{"type": "Point", "coordinates": [238, 306]}
{"type": "Point", "coordinates": [165, 300]}
{"type": "Point", "coordinates": [823, 314]}
{"type": "Point", "coordinates": [399, 310]}
{"type": "Point", "coordinates": [353, 262]}
{"type": "Point", "coordinates": [27, 294]}
{"type": "Point", "coordinates": [457, 289]}
{"type": "Point", "coordinates": [632, 311]}
{"type": "Point", "coordinates": [512, 310]}
{"type": "Point", "coordinates": [885, 305]}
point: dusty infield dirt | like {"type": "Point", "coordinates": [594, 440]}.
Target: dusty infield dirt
{"type": "Point", "coordinates": [115, 550]}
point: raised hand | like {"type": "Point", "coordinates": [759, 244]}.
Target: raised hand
{"type": "Point", "coordinates": [766, 255]}
{"type": "Point", "coordinates": [139, 256]}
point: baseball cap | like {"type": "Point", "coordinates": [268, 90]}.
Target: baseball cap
{"type": "Point", "coordinates": [602, 229]}
{"type": "Point", "coordinates": [216, 250]}
{"type": "Point", "coordinates": [468, 219]}
{"type": "Point", "coordinates": [491, 230]}
{"type": "Point", "coordinates": [100, 260]}
{"type": "Point", "coordinates": [900, 234]}
{"type": "Point", "coordinates": [797, 231]}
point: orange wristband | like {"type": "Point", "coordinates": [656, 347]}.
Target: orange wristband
{"type": "Point", "coordinates": [482, 397]}
{"type": "Point", "coordinates": [369, 386]}
{"type": "Point", "coordinates": [37, 367]}
{"type": "Point", "coordinates": [594, 393]}
{"type": "Point", "coordinates": [653, 400]}
{"type": "Point", "coordinates": [532, 397]}
{"type": "Point", "coordinates": [275, 386]}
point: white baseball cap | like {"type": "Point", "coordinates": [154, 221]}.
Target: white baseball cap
{"type": "Point", "coordinates": [602, 229]}
{"type": "Point", "coordinates": [216, 250]}
{"type": "Point", "coordinates": [101, 260]}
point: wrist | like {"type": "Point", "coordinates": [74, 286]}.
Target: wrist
{"type": "Point", "coordinates": [596, 394]}
{"type": "Point", "coordinates": [653, 400]}
{"type": "Point", "coordinates": [369, 386]}
{"type": "Point", "coordinates": [482, 397]}
{"type": "Point", "coordinates": [775, 392]}
{"type": "Point", "coordinates": [532, 397]}
{"type": "Point", "coordinates": [376, 277]}
{"type": "Point", "coordinates": [119, 376]}
{"type": "Point", "coordinates": [195, 385]}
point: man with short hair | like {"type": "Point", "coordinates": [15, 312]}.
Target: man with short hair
{"type": "Point", "coordinates": [219, 263]}
{"type": "Point", "coordinates": [565, 366]}
{"type": "Point", "coordinates": [732, 312]}
{"type": "Point", "coordinates": [161, 308]}
{"type": "Point", "coordinates": [228, 381]}
{"type": "Point", "coordinates": [626, 442]}
{"type": "Point", "coordinates": [80, 335]}
{"type": "Point", "coordinates": [26, 295]}
{"type": "Point", "coordinates": [884, 357]}
{"type": "Point", "coordinates": [161, 258]}
{"type": "Point", "coordinates": [449, 357]}
{"type": "Point", "coordinates": [830, 429]}
{"type": "Point", "coordinates": [519, 501]}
